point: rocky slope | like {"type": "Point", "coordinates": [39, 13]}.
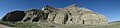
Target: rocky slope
{"type": "Point", "coordinates": [71, 15]}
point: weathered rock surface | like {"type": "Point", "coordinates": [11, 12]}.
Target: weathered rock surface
{"type": "Point", "coordinates": [34, 15]}
{"type": "Point", "coordinates": [71, 15]}
{"type": "Point", "coordinates": [14, 16]}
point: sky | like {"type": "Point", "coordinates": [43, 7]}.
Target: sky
{"type": "Point", "coordinates": [109, 8]}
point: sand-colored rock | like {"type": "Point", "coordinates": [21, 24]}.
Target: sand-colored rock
{"type": "Point", "coordinates": [93, 19]}
{"type": "Point", "coordinates": [71, 15]}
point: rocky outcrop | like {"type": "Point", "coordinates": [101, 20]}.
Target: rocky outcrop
{"type": "Point", "coordinates": [93, 19]}
{"type": "Point", "coordinates": [71, 15]}
{"type": "Point", "coordinates": [34, 15]}
{"type": "Point", "coordinates": [14, 16]}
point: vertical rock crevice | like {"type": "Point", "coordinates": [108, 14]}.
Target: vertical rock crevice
{"type": "Point", "coordinates": [53, 18]}
{"type": "Point", "coordinates": [83, 22]}
{"type": "Point", "coordinates": [65, 18]}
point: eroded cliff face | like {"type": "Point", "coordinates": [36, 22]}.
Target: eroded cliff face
{"type": "Point", "coordinates": [14, 16]}
{"type": "Point", "coordinates": [71, 15]}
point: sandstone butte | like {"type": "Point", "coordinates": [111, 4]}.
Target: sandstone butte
{"type": "Point", "coordinates": [71, 15]}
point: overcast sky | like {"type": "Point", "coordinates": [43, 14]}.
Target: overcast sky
{"type": "Point", "coordinates": [109, 8]}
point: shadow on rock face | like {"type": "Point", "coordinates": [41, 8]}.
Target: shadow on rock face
{"type": "Point", "coordinates": [14, 16]}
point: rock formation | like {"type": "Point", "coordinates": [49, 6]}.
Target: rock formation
{"type": "Point", "coordinates": [71, 15]}
{"type": "Point", "coordinates": [14, 16]}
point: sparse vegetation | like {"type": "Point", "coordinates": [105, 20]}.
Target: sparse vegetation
{"type": "Point", "coordinates": [47, 25]}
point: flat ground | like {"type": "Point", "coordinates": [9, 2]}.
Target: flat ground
{"type": "Point", "coordinates": [52, 25]}
{"type": "Point", "coordinates": [4, 26]}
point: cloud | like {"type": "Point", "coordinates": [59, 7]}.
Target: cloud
{"type": "Point", "coordinates": [113, 20]}
{"type": "Point", "coordinates": [0, 17]}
